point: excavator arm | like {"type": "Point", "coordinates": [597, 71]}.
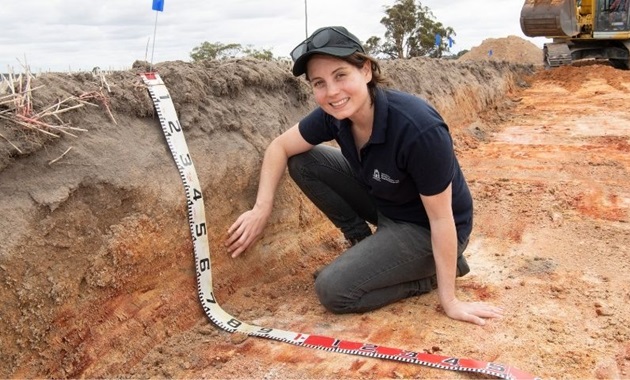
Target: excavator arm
{"type": "Point", "coordinates": [549, 18]}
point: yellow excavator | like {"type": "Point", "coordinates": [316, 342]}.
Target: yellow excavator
{"type": "Point", "coordinates": [586, 29]}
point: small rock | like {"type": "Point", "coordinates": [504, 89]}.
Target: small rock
{"type": "Point", "coordinates": [604, 311]}
{"type": "Point", "coordinates": [238, 338]}
{"type": "Point", "coordinates": [557, 219]}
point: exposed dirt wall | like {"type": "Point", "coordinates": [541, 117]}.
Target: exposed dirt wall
{"type": "Point", "coordinates": [96, 264]}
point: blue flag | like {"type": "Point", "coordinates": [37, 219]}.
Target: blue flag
{"type": "Point", "coordinates": [438, 39]}
{"type": "Point", "coordinates": [450, 42]}
{"type": "Point", "coordinates": [158, 5]}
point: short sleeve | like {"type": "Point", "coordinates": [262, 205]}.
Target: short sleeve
{"type": "Point", "coordinates": [431, 160]}
{"type": "Point", "coordinates": [316, 127]}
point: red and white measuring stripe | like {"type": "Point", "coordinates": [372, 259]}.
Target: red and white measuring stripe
{"type": "Point", "coordinates": [198, 228]}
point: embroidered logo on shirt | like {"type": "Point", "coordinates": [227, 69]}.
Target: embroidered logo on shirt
{"type": "Point", "coordinates": [378, 176]}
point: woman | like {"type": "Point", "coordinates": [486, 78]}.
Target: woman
{"type": "Point", "coordinates": [395, 169]}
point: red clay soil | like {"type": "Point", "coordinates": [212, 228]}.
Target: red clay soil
{"type": "Point", "coordinates": [96, 271]}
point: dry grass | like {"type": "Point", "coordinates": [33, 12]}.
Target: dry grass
{"type": "Point", "coordinates": [16, 107]}
{"type": "Point", "coordinates": [19, 109]}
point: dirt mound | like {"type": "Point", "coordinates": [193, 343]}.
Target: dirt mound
{"type": "Point", "coordinates": [510, 49]}
{"type": "Point", "coordinates": [568, 76]}
{"type": "Point", "coordinates": [97, 271]}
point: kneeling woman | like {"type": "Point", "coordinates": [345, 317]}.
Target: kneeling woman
{"type": "Point", "coordinates": [395, 169]}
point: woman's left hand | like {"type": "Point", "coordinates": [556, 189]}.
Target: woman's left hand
{"type": "Point", "coordinates": [473, 312]}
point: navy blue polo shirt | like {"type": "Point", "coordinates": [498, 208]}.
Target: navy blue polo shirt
{"type": "Point", "coordinates": [410, 152]}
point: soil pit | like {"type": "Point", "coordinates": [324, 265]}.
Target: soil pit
{"type": "Point", "coordinates": [96, 259]}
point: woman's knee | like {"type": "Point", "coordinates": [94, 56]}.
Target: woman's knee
{"type": "Point", "coordinates": [333, 297]}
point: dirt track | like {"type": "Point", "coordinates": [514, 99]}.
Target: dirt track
{"type": "Point", "coordinates": [98, 279]}
{"type": "Point", "coordinates": [553, 197]}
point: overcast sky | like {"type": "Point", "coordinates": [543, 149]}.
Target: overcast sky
{"type": "Point", "coordinates": [63, 35]}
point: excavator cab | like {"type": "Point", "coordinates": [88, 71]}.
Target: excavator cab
{"type": "Point", "coordinates": [611, 16]}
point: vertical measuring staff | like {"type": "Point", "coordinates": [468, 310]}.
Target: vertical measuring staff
{"type": "Point", "coordinates": [158, 6]}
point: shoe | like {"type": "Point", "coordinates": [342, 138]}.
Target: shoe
{"type": "Point", "coordinates": [462, 270]}
{"type": "Point", "coordinates": [462, 266]}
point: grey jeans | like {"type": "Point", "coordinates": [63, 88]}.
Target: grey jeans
{"type": "Point", "coordinates": [395, 262]}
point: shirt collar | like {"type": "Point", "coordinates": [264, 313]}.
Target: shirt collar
{"type": "Point", "coordinates": [379, 129]}
{"type": "Point", "coordinates": [381, 107]}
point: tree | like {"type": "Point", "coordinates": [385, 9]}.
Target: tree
{"type": "Point", "coordinates": [264, 54]}
{"type": "Point", "coordinates": [462, 52]}
{"type": "Point", "coordinates": [372, 45]}
{"type": "Point", "coordinates": [215, 50]}
{"type": "Point", "coordinates": [411, 31]}
{"type": "Point", "coordinates": [219, 50]}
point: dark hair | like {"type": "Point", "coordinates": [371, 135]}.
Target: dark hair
{"type": "Point", "coordinates": [378, 78]}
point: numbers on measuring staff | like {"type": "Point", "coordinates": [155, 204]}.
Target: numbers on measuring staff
{"type": "Point", "coordinates": [369, 347]}
{"type": "Point", "coordinates": [204, 265]}
{"type": "Point", "coordinates": [409, 354]}
{"type": "Point", "coordinates": [200, 229]}
{"type": "Point", "coordinates": [234, 323]}
{"type": "Point", "coordinates": [174, 126]}
{"type": "Point", "coordinates": [211, 299]}
{"type": "Point", "coordinates": [185, 159]}
{"type": "Point", "coordinates": [495, 367]}
{"type": "Point", "coordinates": [451, 361]}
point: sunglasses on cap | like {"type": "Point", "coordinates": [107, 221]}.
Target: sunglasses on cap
{"type": "Point", "coordinates": [326, 37]}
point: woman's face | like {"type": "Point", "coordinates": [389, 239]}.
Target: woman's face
{"type": "Point", "coordinates": [339, 87]}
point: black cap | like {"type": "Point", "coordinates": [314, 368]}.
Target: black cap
{"type": "Point", "coordinates": [329, 40]}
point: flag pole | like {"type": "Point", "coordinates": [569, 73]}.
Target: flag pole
{"type": "Point", "coordinates": [153, 46]}
{"type": "Point", "coordinates": [306, 18]}
{"type": "Point", "coordinates": [146, 50]}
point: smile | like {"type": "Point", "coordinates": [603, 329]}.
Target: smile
{"type": "Point", "coordinates": [340, 103]}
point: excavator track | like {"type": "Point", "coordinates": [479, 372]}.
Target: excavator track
{"type": "Point", "coordinates": [557, 54]}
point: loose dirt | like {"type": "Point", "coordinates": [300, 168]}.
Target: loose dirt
{"type": "Point", "coordinates": [96, 269]}
{"type": "Point", "coordinates": [510, 49]}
